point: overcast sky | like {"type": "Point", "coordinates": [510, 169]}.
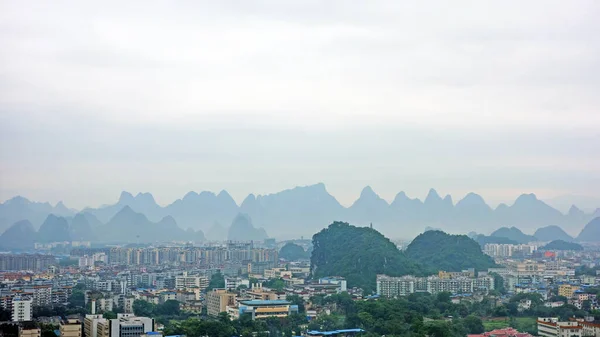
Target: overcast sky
{"type": "Point", "coordinates": [496, 97]}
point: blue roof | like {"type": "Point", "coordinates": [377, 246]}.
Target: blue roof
{"type": "Point", "coordinates": [334, 332]}
{"type": "Point", "coordinates": [265, 302]}
{"type": "Point", "coordinates": [153, 333]}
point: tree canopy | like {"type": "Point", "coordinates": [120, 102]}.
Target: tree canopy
{"type": "Point", "coordinates": [358, 254]}
{"type": "Point", "coordinates": [291, 251]}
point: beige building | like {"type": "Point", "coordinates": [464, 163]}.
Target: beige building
{"type": "Point", "coordinates": [71, 327]}
{"type": "Point", "coordinates": [567, 290]}
{"type": "Point", "coordinates": [217, 301]}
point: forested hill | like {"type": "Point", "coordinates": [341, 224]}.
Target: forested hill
{"type": "Point", "coordinates": [436, 250]}
{"type": "Point", "coordinates": [358, 254]}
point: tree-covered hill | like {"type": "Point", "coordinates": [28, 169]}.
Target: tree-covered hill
{"type": "Point", "coordinates": [436, 250]}
{"type": "Point", "coordinates": [562, 245]}
{"type": "Point", "coordinates": [358, 254]}
{"type": "Point", "coordinates": [291, 251]}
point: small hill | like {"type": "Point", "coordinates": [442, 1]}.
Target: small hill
{"type": "Point", "coordinates": [242, 230]}
{"type": "Point", "coordinates": [591, 232]}
{"type": "Point", "coordinates": [358, 254]}
{"type": "Point", "coordinates": [291, 252]}
{"type": "Point", "coordinates": [562, 245]}
{"type": "Point", "coordinates": [513, 233]}
{"type": "Point", "coordinates": [54, 229]}
{"type": "Point", "coordinates": [21, 235]}
{"type": "Point", "coordinates": [551, 233]}
{"type": "Point", "coordinates": [437, 251]}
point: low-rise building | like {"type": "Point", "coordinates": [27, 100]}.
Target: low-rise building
{"type": "Point", "coordinates": [217, 301]}
{"type": "Point", "coordinates": [263, 309]}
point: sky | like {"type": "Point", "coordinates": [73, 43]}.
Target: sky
{"type": "Point", "coordinates": [496, 97]}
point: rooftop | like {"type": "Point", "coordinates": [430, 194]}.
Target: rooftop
{"type": "Point", "coordinates": [265, 302]}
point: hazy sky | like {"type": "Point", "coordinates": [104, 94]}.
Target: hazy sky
{"type": "Point", "coordinates": [496, 97]}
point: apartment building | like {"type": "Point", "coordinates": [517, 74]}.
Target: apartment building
{"type": "Point", "coordinates": [70, 327]}
{"type": "Point", "coordinates": [187, 282]}
{"type": "Point", "coordinates": [401, 286]}
{"type": "Point", "coordinates": [217, 301]}
{"type": "Point", "coordinates": [22, 309]}
{"type": "Point", "coordinates": [552, 327]}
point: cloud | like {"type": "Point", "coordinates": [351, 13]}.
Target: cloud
{"type": "Point", "coordinates": [256, 96]}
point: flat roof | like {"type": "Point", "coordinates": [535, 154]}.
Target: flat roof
{"type": "Point", "coordinates": [266, 302]}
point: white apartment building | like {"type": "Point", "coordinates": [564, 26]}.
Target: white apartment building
{"type": "Point", "coordinates": [22, 309]}
{"type": "Point", "coordinates": [401, 286]}
{"type": "Point", "coordinates": [552, 327]}
{"type": "Point", "coordinates": [185, 282]}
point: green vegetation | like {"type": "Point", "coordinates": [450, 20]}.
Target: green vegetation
{"type": "Point", "coordinates": [358, 254]}
{"type": "Point", "coordinates": [436, 251]}
{"type": "Point", "coordinates": [276, 284]}
{"type": "Point", "coordinates": [524, 324]}
{"type": "Point", "coordinates": [291, 252]}
{"type": "Point", "coordinates": [562, 245]}
{"type": "Point", "coordinates": [143, 308]}
{"type": "Point", "coordinates": [217, 280]}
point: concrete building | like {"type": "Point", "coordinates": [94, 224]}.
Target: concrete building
{"type": "Point", "coordinates": [401, 286]}
{"type": "Point", "coordinates": [551, 327]}
{"type": "Point", "coordinates": [265, 309]}
{"type": "Point", "coordinates": [128, 325]}
{"type": "Point", "coordinates": [217, 301]}
{"type": "Point", "coordinates": [22, 309]}
{"type": "Point", "coordinates": [71, 327]}
{"type": "Point", "coordinates": [567, 290]}
{"type": "Point", "coordinates": [187, 282]}
{"type": "Point", "coordinates": [90, 324]}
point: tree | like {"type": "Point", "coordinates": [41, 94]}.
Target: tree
{"type": "Point", "coordinates": [473, 324]}
{"type": "Point", "coordinates": [217, 281]}
{"type": "Point", "coordinates": [109, 315]}
{"type": "Point", "coordinates": [276, 284]}
{"type": "Point", "coordinates": [143, 308]}
{"type": "Point", "coordinates": [77, 298]}
{"type": "Point", "coordinates": [169, 308]}
{"type": "Point", "coordinates": [297, 300]}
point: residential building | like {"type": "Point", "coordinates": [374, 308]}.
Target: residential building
{"type": "Point", "coordinates": [186, 282]}
{"type": "Point", "coordinates": [552, 327]}
{"type": "Point", "coordinates": [567, 290]}
{"type": "Point", "coordinates": [217, 301]}
{"type": "Point", "coordinates": [401, 286]}
{"type": "Point", "coordinates": [22, 309]}
{"type": "Point", "coordinates": [70, 327]}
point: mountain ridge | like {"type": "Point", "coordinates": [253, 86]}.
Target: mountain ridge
{"type": "Point", "coordinates": [302, 210]}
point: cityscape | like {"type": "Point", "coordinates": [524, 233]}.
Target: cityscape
{"type": "Point", "coordinates": [300, 168]}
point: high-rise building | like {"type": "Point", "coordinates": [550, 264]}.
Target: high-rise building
{"type": "Point", "coordinates": [22, 309]}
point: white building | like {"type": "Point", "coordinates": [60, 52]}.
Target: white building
{"type": "Point", "coordinates": [185, 282]}
{"type": "Point", "coordinates": [401, 286]}
{"type": "Point", "coordinates": [22, 309]}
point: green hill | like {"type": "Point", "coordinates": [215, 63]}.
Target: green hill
{"type": "Point", "coordinates": [562, 245]}
{"type": "Point", "coordinates": [358, 254]}
{"type": "Point", "coordinates": [292, 251]}
{"type": "Point", "coordinates": [436, 251]}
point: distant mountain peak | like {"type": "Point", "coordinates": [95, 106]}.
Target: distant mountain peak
{"type": "Point", "coordinates": [432, 195]}
{"type": "Point", "coordinates": [145, 197]}
{"type": "Point", "coordinates": [17, 200]}
{"type": "Point", "coordinates": [526, 198]}
{"type": "Point", "coordinates": [574, 211]}
{"type": "Point", "coordinates": [448, 199]}
{"type": "Point", "coordinates": [368, 192]}
{"type": "Point", "coordinates": [190, 195]}
{"type": "Point", "coordinates": [125, 198]}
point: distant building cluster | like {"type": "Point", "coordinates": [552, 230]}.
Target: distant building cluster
{"type": "Point", "coordinates": [455, 283]}
{"type": "Point", "coordinates": [508, 250]}
{"type": "Point", "coordinates": [33, 262]}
